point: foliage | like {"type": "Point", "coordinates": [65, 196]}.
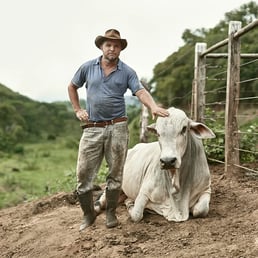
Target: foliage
{"type": "Point", "coordinates": [24, 120]}
{"type": "Point", "coordinates": [249, 141]}
{"type": "Point", "coordinates": [172, 79]}
{"type": "Point", "coordinates": [44, 168]}
{"type": "Point", "coordinates": [134, 129]}
{"type": "Point", "coordinates": [215, 147]}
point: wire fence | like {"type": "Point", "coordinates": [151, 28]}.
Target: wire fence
{"type": "Point", "coordinates": [248, 111]}
{"type": "Point", "coordinates": [223, 75]}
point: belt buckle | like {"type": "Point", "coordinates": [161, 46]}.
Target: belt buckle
{"type": "Point", "coordinates": [94, 124]}
{"type": "Point", "coordinates": [112, 121]}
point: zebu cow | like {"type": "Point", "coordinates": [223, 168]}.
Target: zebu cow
{"type": "Point", "coordinates": [170, 177]}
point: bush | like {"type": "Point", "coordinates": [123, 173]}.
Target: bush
{"type": "Point", "coordinates": [19, 149]}
{"type": "Point", "coordinates": [248, 144]}
{"type": "Point", "coordinates": [215, 147]}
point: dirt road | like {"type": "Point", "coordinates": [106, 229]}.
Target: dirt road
{"type": "Point", "coordinates": [49, 228]}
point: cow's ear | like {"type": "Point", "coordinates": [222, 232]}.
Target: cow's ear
{"type": "Point", "coordinates": [152, 128]}
{"type": "Point", "coordinates": [201, 131]}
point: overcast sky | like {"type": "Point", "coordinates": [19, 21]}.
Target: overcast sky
{"type": "Point", "coordinates": [43, 42]}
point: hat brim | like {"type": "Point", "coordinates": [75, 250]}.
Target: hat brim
{"type": "Point", "coordinates": [100, 40]}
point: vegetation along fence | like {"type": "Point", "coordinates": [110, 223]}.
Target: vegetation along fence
{"type": "Point", "coordinates": [238, 107]}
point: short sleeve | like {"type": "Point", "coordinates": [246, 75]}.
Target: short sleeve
{"type": "Point", "coordinates": [80, 76]}
{"type": "Point", "coordinates": [134, 83]}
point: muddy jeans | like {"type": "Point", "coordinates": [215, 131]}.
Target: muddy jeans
{"type": "Point", "coordinates": [96, 143]}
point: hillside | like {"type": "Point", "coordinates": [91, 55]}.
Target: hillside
{"type": "Point", "coordinates": [25, 120]}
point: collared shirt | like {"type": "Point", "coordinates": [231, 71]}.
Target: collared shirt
{"type": "Point", "coordinates": [105, 94]}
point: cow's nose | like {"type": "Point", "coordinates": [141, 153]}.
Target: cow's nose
{"type": "Point", "coordinates": [167, 163]}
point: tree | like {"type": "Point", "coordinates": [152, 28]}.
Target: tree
{"type": "Point", "coordinates": [172, 79]}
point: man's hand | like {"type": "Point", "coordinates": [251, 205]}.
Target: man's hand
{"type": "Point", "coordinates": [146, 99]}
{"type": "Point", "coordinates": [82, 115]}
{"type": "Point", "coordinates": [158, 111]}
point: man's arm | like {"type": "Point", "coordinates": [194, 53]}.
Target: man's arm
{"type": "Point", "coordinates": [74, 98]}
{"type": "Point", "coordinates": [146, 99]}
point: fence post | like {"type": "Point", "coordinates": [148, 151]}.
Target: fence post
{"type": "Point", "coordinates": [198, 87]}
{"type": "Point", "coordinates": [144, 117]}
{"type": "Point", "coordinates": [232, 101]}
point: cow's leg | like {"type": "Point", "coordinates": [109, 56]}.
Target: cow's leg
{"type": "Point", "coordinates": [136, 208]}
{"type": "Point", "coordinates": [201, 208]}
{"type": "Point", "coordinates": [100, 203]}
{"type": "Point", "coordinates": [179, 204]}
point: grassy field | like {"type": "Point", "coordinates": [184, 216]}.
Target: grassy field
{"type": "Point", "coordinates": [42, 169]}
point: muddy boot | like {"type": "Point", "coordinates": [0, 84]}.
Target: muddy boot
{"type": "Point", "coordinates": [86, 202]}
{"type": "Point", "coordinates": [112, 197]}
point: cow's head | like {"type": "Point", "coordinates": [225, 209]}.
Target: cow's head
{"type": "Point", "coordinates": [172, 132]}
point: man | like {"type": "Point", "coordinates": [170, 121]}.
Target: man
{"type": "Point", "coordinates": [105, 133]}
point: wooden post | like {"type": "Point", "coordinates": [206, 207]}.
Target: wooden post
{"type": "Point", "coordinates": [144, 124]}
{"type": "Point", "coordinates": [144, 118]}
{"type": "Point", "coordinates": [232, 101]}
{"type": "Point", "coordinates": [198, 87]}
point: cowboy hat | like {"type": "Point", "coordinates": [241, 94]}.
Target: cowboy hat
{"type": "Point", "coordinates": [110, 34]}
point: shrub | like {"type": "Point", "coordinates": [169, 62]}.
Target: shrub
{"type": "Point", "coordinates": [215, 147]}
{"type": "Point", "coordinates": [248, 144]}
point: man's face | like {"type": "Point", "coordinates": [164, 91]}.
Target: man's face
{"type": "Point", "coordinates": [111, 49]}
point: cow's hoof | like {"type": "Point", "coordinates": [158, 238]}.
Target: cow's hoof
{"type": "Point", "coordinates": [129, 203]}
{"type": "Point", "coordinates": [97, 207]}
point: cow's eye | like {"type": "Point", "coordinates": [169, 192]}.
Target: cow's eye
{"type": "Point", "coordinates": [183, 130]}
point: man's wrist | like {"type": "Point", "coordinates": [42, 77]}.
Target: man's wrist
{"type": "Point", "coordinates": [76, 110]}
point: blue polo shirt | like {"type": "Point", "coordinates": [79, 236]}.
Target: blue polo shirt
{"type": "Point", "coordinates": [105, 94]}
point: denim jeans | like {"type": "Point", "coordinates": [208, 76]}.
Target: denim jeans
{"type": "Point", "coordinates": [96, 143]}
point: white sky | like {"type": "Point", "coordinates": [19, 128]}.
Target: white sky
{"type": "Point", "coordinates": [43, 42]}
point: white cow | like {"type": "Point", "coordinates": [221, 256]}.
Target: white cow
{"type": "Point", "coordinates": [170, 177]}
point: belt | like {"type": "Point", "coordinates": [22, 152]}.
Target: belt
{"type": "Point", "coordinates": [104, 123]}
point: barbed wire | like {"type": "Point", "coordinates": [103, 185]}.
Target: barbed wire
{"type": "Point", "coordinates": [216, 160]}
{"type": "Point", "coordinates": [182, 57]}
{"type": "Point", "coordinates": [220, 76]}
{"type": "Point", "coordinates": [247, 151]}
{"type": "Point", "coordinates": [249, 80]}
{"type": "Point", "coordinates": [246, 168]}
{"type": "Point", "coordinates": [250, 62]}
{"type": "Point", "coordinates": [247, 98]}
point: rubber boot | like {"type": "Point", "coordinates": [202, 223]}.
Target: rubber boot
{"type": "Point", "coordinates": [112, 197]}
{"type": "Point", "coordinates": [86, 202]}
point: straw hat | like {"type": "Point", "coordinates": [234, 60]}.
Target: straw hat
{"type": "Point", "coordinates": [110, 34]}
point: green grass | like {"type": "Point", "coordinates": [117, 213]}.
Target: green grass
{"type": "Point", "coordinates": [43, 169]}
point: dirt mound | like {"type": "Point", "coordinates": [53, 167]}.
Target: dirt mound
{"type": "Point", "coordinates": [49, 228]}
